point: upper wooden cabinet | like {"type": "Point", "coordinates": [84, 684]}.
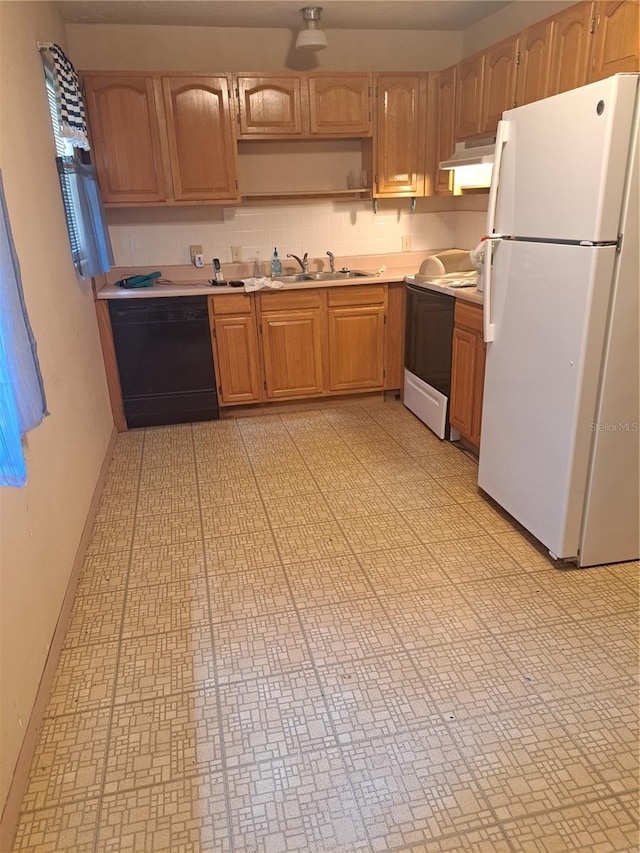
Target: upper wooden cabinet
{"type": "Point", "coordinates": [269, 106]}
{"type": "Point", "coordinates": [125, 119]}
{"type": "Point", "coordinates": [499, 82]}
{"type": "Point", "coordinates": [399, 142]}
{"type": "Point", "coordinates": [616, 40]}
{"type": "Point", "coordinates": [570, 48]}
{"type": "Point", "coordinates": [161, 140]}
{"type": "Point", "coordinates": [469, 88]}
{"type": "Point", "coordinates": [301, 106]}
{"type": "Point", "coordinates": [534, 55]}
{"type": "Point", "coordinates": [443, 115]}
{"type": "Point", "coordinates": [340, 104]}
{"type": "Point", "coordinates": [200, 131]}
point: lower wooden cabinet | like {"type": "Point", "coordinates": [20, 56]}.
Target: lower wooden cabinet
{"type": "Point", "coordinates": [235, 347]}
{"type": "Point", "coordinates": [356, 337]}
{"type": "Point", "coordinates": [288, 345]}
{"type": "Point", "coordinates": [467, 371]}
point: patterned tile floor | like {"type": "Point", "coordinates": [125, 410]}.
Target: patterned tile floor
{"type": "Point", "coordinates": [309, 632]}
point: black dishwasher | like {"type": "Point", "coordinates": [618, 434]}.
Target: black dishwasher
{"type": "Point", "coordinates": [165, 360]}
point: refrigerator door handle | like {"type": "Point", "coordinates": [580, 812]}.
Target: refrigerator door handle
{"type": "Point", "coordinates": [488, 326]}
{"type": "Point", "coordinates": [503, 136]}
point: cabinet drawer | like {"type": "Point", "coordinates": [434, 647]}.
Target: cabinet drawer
{"type": "Point", "coordinates": [369, 294]}
{"type": "Point", "coordinates": [291, 299]}
{"type": "Point", "coordinates": [469, 315]}
{"type": "Point", "coordinates": [231, 303]}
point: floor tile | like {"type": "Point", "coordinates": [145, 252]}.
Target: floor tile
{"type": "Point", "coordinates": [161, 740]}
{"type": "Point", "coordinates": [422, 494]}
{"type": "Point", "coordinates": [315, 583]}
{"type": "Point", "coordinates": [298, 510]}
{"type": "Point", "coordinates": [214, 492]}
{"type": "Point", "coordinates": [402, 570]}
{"type": "Point", "coordinates": [606, 729]}
{"type": "Point", "coordinates": [463, 489]}
{"type": "Point", "coordinates": [524, 550]}
{"type": "Point", "coordinates": [341, 477]}
{"type": "Point", "coordinates": [68, 761]}
{"type": "Point", "coordinates": [525, 762]}
{"type": "Point", "coordinates": [95, 619]}
{"type": "Point", "coordinates": [255, 549]}
{"type": "Point", "coordinates": [490, 840]}
{"type": "Point", "coordinates": [375, 697]}
{"type": "Point", "coordinates": [164, 564]}
{"type": "Point", "coordinates": [273, 717]}
{"type": "Point", "coordinates": [167, 501]}
{"type": "Point", "coordinates": [277, 484]}
{"type": "Point", "coordinates": [188, 815]}
{"type": "Point", "coordinates": [376, 532]}
{"type": "Point", "coordinates": [107, 536]}
{"type": "Point", "coordinates": [166, 663]}
{"type": "Point", "coordinates": [413, 788]}
{"type": "Point", "coordinates": [103, 574]}
{"type": "Point", "coordinates": [348, 631]}
{"type": "Point", "coordinates": [260, 647]}
{"type": "Point", "coordinates": [58, 829]}
{"type": "Point", "coordinates": [365, 501]}
{"type": "Point", "coordinates": [563, 661]}
{"type": "Point", "coordinates": [476, 558]}
{"type": "Point", "coordinates": [78, 687]}
{"type": "Point", "coordinates": [169, 477]}
{"type": "Point", "coordinates": [438, 615]}
{"type": "Point", "coordinates": [442, 523]}
{"type": "Point", "coordinates": [169, 607]}
{"type": "Point", "coordinates": [295, 805]}
{"type": "Point", "coordinates": [473, 678]}
{"type": "Point", "coordinates": [167, 529]}
{"type": "Point", "coordinates": [598, 593]}
{"type": "Point", "coordinates": [249, 592]}
{"type": "Point", "coordinates": [311, 542]}
{"type": "Point", "coordinates": [596, 827]}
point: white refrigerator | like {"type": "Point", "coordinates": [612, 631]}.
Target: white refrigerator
{"type": "Point", "coordinates": [560, 444]}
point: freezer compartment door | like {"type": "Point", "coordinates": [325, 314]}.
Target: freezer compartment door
{"type": "Point", "coordinates": [549, 307]}
{"type": "Point", "coordinates": [564, 164]}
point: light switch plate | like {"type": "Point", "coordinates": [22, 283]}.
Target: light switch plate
{"type": "Point", "coordinates": [193, 251]}
{"type": "Point", "coordinates": [406, 243]}
{"type": "Point", "coordinates": [236, 254]}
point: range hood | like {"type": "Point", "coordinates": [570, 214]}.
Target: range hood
{"type": "Point", "coordinates": [471, 153]}
{"type": "Point", "coordinates": [471, 165]}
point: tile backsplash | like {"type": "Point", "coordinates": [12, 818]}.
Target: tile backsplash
{"type": "Point", "coordinates": [156, 236]}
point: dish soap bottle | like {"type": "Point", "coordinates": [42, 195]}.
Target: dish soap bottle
{"type": "Point", "coordinates": [276, 264]}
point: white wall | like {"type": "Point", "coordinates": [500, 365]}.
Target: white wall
{"type": "Point", "coordinates": [41, 524]}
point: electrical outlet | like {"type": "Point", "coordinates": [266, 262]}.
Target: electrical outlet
{"type": "Point", "coordinates": [236, 254]}
{"type": "Point", "coordinates": [193, 251]}
{"type": "Point", "coordinates": [406, 243]}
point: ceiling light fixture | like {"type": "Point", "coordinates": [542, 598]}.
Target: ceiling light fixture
{"type": "Point", "coordinates": [311, 35]}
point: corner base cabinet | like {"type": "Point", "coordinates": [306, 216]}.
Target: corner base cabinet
{"type": "Point", "coordinates": [467, 371]}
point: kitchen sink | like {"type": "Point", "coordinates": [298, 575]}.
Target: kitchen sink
{"type": "Point", "coordinates": [324, 276]}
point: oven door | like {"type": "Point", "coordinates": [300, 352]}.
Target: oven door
{"type": "Point", "coordinates": [429, 337]}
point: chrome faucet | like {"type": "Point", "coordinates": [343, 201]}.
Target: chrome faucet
{"type": "Point", "coordinates": [304, 263]}
{"type": "Point", "coordinates": [332, 261]}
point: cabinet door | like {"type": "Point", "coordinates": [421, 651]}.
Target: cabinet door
{"type": "Point", "coordinates": [340, 104]}
{"type": "Point", "coordinates": [478, 389]}
{"type": "Point", "coordinates": [201, 142]}
{"type": "Point", "coordinates": [125, 116]}
{"type": "Point", "coordinates": [499, 82]}
{"type": "Point", "coordinates": [356, 348]}
{"type": "Point", "coordinates": [463, 371]}
{"type": "Point", "coordinates": [616, 43]}
{"type": "Point", "coordinates": [570, 48]}
{"type": "Point", "coordinates": [292, 349]}
{"type": "Point", "coordinates": [236, 360]}
{"type": "Point", "coordinates": [533, 67]}
{"type": "Point", "coordinates": [469, 85]}
{"type": "Point", "coordinates": [445, 128]}
{"type": "Point", "coordinates": [270, 106]}
{"type": "Point", "coordinates": [400, 140]}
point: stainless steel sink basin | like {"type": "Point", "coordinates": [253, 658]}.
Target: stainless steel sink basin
{"type": "Point", "coordinates": [323, 276]}
{"type": "Point", "coordinates": [291, 279]}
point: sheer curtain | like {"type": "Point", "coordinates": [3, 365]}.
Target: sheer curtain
{"type": "Point", "coordinates": [22, 399]}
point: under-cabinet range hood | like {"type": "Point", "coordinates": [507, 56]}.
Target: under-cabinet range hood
{"type": "Point", "coordinates": [472, 165]}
